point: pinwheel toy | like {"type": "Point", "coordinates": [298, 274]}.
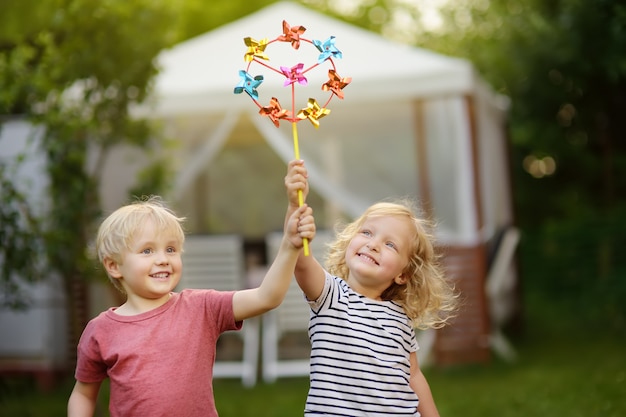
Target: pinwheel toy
{"type": "Point", "coordinates": [291, 76]}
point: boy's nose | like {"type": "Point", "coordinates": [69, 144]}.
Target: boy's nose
{"type": "Point", "coordinates": [162, 259]}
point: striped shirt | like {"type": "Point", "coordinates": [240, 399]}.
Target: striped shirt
{"type": "Point", "coordinates": [360, 352]}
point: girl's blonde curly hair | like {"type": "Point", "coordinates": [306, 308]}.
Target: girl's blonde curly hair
{"type": "Point", "coordinates": [428, 299]}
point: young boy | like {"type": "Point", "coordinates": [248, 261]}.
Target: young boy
{"type": "Point", "coordinates": [158, 348]}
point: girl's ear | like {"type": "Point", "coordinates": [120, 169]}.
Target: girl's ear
{"type": "Point", "coordinates": [112, 268]}
{"type": "Point", "coordinates": [400, 279]}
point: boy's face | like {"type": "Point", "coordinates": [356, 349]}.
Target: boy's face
{"type": "Point", "coordinates": [152, 267]}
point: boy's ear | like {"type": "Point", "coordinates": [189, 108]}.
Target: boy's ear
{"type": "Point", "coordinates": [112, 268]}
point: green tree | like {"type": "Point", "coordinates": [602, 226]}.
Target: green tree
{"type": "Point", "coordinates": [198, 16]}
{"type": "Point", "coordinates": [20, 242]}
{"type": "Point", "coordinates": [74, 67]}
{"type": "Point", "coordinates": [563, 65]}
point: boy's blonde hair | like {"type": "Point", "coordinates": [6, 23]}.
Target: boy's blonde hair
{"type": "Point", "coordinates": [116, 233]}
{"type": "Point", "coordinates": [427, 297]}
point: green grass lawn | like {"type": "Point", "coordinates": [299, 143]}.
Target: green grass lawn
{"type": "Point", "coordinates": [572, 376]}
{"type": "Point", "coordinates": [580, 378]}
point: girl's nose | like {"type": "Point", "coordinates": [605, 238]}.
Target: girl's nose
{"type": "Point", "coordinates": [372, 245]}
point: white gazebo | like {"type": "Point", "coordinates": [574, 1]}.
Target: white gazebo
{"type": "Point", "coordinates": [412, 123]}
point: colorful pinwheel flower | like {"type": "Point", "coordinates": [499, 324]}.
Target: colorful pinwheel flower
{"type": "Point", "coordinates": [292, 76]}
{"type": "Point", "coordinates": [296, 74]}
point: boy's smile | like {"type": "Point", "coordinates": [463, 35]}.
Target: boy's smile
{"type": "Point", "coordinates": [151, 268]}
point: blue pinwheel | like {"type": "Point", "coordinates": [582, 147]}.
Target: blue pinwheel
{"type": "Point", "coordinates": [248, 84]}
{"type": "Point", "coordinates": [327, 49]}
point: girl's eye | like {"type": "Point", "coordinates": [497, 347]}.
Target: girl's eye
{"type": "Point", "coordinates": [171, 249]}
{"type": "Point", "coordinates": [391, 245]}
{"type": "Point", "coordinates": [146, 251]}
{"type": "Point", "coordinates": [366, 232]}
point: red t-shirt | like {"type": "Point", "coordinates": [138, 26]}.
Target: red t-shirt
{"type": "Point", "coordinates": [160, 363]}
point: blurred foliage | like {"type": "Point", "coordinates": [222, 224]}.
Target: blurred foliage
{"type": "Point", "coordinates": [562, 63]}
{"type": "Point", "coordinates": [196, 17]}
{"type": "Point", "coordinates": [75, 67]}
{"type": "Point", "coordinates": [574, 272]}
{"type": "Point", "coordinates": [19, 241]}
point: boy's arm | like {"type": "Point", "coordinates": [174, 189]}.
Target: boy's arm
{"type": "Point", "coordinates": [426, 407]}
{"type": "Point", "coordinates": [272, 291]}
{"type": "Point", "coordinates": [82, 402]}
{"type": "Point", "coordinates": [308, 271]}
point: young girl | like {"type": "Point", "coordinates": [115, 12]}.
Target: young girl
{"type": "Point", "coordinates": [158, 348]}
{"type": "Point", "coordinates": [382, 280]}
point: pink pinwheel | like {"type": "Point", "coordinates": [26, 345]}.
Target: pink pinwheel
{"type": "Point", "coordinates": [335, 83]}
{"type": "Point", "coordinates": [255, 49]}
{"type": "Point", "coordinates": [294, 74]}
{"type": "Point", "coordinates": [274, 111]}
{"type": "Point", "coordinates": [291, 34]}
{"type": "Point", "coordinates": [313, 112]}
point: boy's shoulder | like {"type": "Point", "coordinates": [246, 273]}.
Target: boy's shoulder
{"type": "Point", "coordinates": [208, 297]}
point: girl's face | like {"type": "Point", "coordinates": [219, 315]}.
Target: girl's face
{"type": "Point", "coordinates": [377, 255]}
{"type": "Point", "coordinates": [152, 267]}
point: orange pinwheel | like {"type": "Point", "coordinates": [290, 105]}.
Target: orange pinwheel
{"type": "Point", "coordinates": [274, 111]}
{"type": "Point", "coordinates": [335, 83]}
{"type": "Point", "coordinates": [291, 34]}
